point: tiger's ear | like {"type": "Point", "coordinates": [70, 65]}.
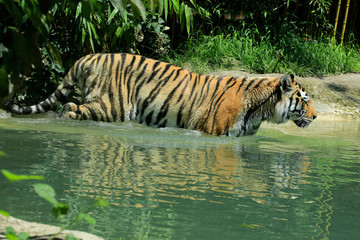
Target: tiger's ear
{"type": "Point", "coordinates": [285, 82]}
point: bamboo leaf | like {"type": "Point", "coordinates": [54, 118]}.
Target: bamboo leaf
{"type": "Point", "coordinates": [182, 16]}
{"type": "Point", "coordinates": [166, 8]}
{"type": "Point", "coordinates": [188, 14]}
{"type": "Point", "coordinates": [112, 15]}
{"type": "Point", "coordinates": [90, 36]}
{"type": "Point", "coordinates": [121, 5]}
{"type": "Point", "coordinates": [138, 9]}
{"type": "Point", "coordinates": [161, 6]}
{"type": "Point", "coordinates": [94, 33]}
{"type": "Point", "coordinates": [175, 5]}
{"type": "Point", "coordinates": [83, 36]}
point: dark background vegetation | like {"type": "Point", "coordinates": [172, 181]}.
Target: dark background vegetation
{"type": "Point", "coordinates": [41, 39]}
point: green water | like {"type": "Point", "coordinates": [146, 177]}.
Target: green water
{"type": "Point", "coordinates": [283, 183]}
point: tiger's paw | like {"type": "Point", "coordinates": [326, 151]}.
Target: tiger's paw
{"type": "Point", "coordinates": [70, 115]}
{"type": "Point", "coordinates": [69, 111]}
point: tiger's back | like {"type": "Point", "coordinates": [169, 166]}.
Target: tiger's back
{"type": "Point", "coordinates": [120, 87]}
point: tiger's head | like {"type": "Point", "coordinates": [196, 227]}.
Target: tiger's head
{"type": "Point", "coordinates": [295, 103]}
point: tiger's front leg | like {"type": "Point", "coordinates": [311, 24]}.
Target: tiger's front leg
{"type": "Point", "coordinates": [89, 111]}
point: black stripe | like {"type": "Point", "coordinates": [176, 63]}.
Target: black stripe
{"type": "Point", "coordinates": [192, 104]}
{"type": "Point", "coordinates": [216, 88]}
{"type": "Point", "coordinates": [26, 110]}
{"type": "Point", "coordinates": [129, 69]}
{"type": "Point", "coordinates": [153, 74]}
{"type": "Point", "coordinates": [149, 99]}
{"type": "Point", "coordinates": [165, 107]}
{"type": "Point", "coordinates": [184, 89]}
{"type": "Point", "coordinates": [163, 124]}
{"type": "Point", "coordinates": [242, 83]}
{"type": "Point", "coordinates": [98, 59]}
{"type": "Point", "coordinates": [142, 60]}
{"type": "Point", "coordinates": [229, 81]}
{"type": "Point", "coordinates": [112, 105]}
{"type": "Point", "coordinates": [148, 118]}
{"type": "Point", "coordinates": [123, 59]}
{"type": "Point", "coordinates": [121, 100]}
{"type": "Point", "coordinates": [155, 65]}
{"type": "Point", "coordinates": [104, 109]}
{"type": "Point", "coordinates": [60, 97]}
{"type": "Point", "coordinates": [92, 113]}
{"type": "Point", "coordinates": [194, 86]}
{"type": "Point", "coordinates": [259, 83]}
{"type": "Point", "coordinates": [250, 84]}
{"type": "Point", "coordinates": [177, 74]}
{"type": "Point", "coordinates": [165, 70]}
{"type": "Point", "coordinates": [179, 115]}
{"type": "Point", "coordinates": [215, 114]}
{"type": "Point", "coordinates": [111, 65]}
{"type": "Point", "coordinates": [46, 105]}
{"type": "Point", "coordinates": [254, 108]}
{"type": "Point", "coordinates": [141, 74]}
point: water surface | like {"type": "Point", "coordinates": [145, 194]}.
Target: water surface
{"type": "Point", "coordinates": [283, 183]}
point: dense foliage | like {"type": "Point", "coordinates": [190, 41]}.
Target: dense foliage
{"type": "Point", "coordinates": [41, 39]}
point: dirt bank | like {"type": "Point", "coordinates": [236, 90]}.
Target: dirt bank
{"type": "Point", "coordinates": [336, 96]}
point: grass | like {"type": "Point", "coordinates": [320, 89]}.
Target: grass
{"type": "Point", "coordinates": [245, 50]}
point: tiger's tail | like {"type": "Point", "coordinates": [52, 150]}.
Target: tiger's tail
{"type": "Point", "coordinates": [55, 99]}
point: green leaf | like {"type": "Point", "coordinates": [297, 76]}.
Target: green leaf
{"type": "Point", "coordinates": [60, 209]}
{"type": "Point", "coordinates": [14, 11]}
{"type": "Point", "coordinates": [86, 10]}
{"type": "Point", "coordinates": [90, 220]}
{"type": "Point", "coordinates": [83, 36]}
{"type": "Point", "coordinates": [161, 6]}
{"type": "Point", "coordinates": [138, 9]}
{"type": "Point", "coordinates": [101, 203]}
{"type": "Point", "coordinates": [2, 71]}
{"type": "Point", "coordinates": [13, 177]}
{"type": "Point", "coordinates": [47, 192]}
{"type": "Point", "coordinates": [175, 5]}
{"type": "Point", "coordinates": [5, 214]}
{"type": "Point", "coordinates": [23, 236]}
{"type": "Point", "coordinates": [166, 8]}
{"type": "Point", "coordinates": [121, 5]}
{"type": "Point", "coordinates": [94, 33]}
{"type": "Point", "coordinates": [70, 237]}
{"type": "Point", "coordinates": [54, 51]}
{"type": "Point", "coordinates": [188, 14]}
{"type": "Point", "coordinates": [87, 218]}
{"type": "Point", "coordinates": [182, 16]}
{"type": "Point", "coordinates": [112, 15]}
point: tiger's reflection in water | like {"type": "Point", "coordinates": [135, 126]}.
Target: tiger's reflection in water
{"type": "Point", "coordinates": [138, 173]}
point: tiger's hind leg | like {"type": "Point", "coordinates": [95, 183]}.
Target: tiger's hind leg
{"type": "Point", "coordinates": [89, 111]}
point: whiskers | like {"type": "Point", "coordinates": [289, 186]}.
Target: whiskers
{"type": "Point", "coordinates": [302, 122]}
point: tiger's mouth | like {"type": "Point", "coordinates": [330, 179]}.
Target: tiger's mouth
{"type": "Point", "coordinates": [302, 122]}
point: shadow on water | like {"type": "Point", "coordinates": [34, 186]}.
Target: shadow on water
{"type": "Point", "coordinates": [181, 184]}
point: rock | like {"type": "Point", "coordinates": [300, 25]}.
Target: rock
{"type": "Point", "coordinates": [40, 231]}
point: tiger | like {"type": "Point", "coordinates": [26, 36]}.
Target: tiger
{"type": "Point", "coordinates": [121, 87]}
